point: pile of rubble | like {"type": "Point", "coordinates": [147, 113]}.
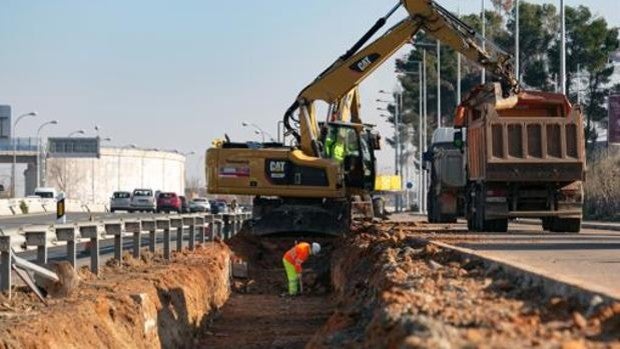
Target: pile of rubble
{"type": "Point", "coordinates": [395, 290]}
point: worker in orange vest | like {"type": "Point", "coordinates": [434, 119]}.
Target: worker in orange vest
{"type": "Point", "coordinates": [293, 259]}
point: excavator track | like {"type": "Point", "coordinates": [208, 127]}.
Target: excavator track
{"type": "Point", "coordinates": [300, 216]}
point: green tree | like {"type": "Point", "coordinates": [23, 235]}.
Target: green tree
{"type": "Point", "coordinates": [590, 42]}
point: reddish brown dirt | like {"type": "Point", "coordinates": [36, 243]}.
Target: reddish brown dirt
{"type": "Point", "coordinates": [257, 316]}
{"type": "Point", "coordinates": [394, 291]}
{"type": "Point", "coordinates": [143, 304]}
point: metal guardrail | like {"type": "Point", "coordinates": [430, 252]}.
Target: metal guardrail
{"type": "Point", "coordinates": [198, 228]}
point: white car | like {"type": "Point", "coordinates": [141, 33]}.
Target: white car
{"type": "Point", "coordinates": [143, 200]}
{"type": "Point", "coordinates": [120, 201]}
{"type": "Point", "coordinates": [45, 193]}
{"type": "Point", "coordinates": [200, 205]}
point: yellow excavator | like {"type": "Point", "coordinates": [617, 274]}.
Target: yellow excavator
{"type": "Point", "coordinates": [309, 187]}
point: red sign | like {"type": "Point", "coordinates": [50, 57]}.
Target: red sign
{"type": "Point", "coordinates": [613, 132]}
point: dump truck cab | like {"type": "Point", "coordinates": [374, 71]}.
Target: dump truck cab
{"type": "Point", "coordinates": [445, 162]}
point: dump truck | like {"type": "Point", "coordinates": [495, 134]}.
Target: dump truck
{"type": "Point", "coordinates": [445, 163]}
{"type": "Point", "coordinates": [524, 158]}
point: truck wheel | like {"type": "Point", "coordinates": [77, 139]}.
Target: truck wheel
{"type": "Point", "coordinates": [430, 214]}
{"type": "Point", "coordinates": [496, 225]}
{"type": "Point", "coordinates": [478, 203]}
{"type": "Point", "coordinates": [546, 223]}
{"type": "Point", "coordinates": [566, 225]}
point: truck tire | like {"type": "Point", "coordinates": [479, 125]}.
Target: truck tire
{"type": "Point", "coordinates": [496, 225]}
{"type": "Point", "coordinates": [546, 223]}
{"type": "Point", "coordinates": [566, 225]}
{"type": "Point", "coordinates": [430, 210]}
{"type": "Point", "coordinates": [472, 209]}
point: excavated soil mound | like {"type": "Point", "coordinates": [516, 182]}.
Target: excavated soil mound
{"type": "Point", "coordinates": [146, 303]}
{"type": "Point", "coordinates": [258, 315]}
{"type": "Point", "coordinates": [395, 291]}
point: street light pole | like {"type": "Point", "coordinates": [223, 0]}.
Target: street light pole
{"type": "Point", "coordinates": [39, 161]}
{"type": "Point", "coordinates": [517, 34]}
{"type": "Point", "coordinates": [80, 132]}
{"type": "Point", "coordinates": [483, 20]}
{"type": "Point", "coordinates": [425, 125]}
{"type": "Point", "coordinates": [458, 66]}
{"type": "Point", "coordinates": [438, 84]}
{"type": "Point", "coordinates": [13, 168]}
{"type": "Point", "coordinates": [258, 128]}
{"type": "Point", "coordinates": [562, 48]}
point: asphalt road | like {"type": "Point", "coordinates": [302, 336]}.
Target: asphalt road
{"type": "Point", "coordinates": [590, 259]}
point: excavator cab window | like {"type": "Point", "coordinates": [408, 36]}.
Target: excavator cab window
{"type": "Point", "coordinates": [345, 144]}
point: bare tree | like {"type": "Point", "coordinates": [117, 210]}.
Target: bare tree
{"type": "Point", "coordinates": [58, 175]}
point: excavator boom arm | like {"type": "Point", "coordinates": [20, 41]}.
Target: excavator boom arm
{"type": "Point", "coordinates": [450, 30]}
{"type": "Point", "coordinates": [336, 84]}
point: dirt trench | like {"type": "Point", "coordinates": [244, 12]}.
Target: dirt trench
{"type": "Point", "coordinates": [259, 314]}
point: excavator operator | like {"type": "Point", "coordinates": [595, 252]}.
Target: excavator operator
{"type": "Point", "coordinates": [335, 144]}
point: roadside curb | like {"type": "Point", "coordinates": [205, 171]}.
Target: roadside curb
{"type": "Point", "coordinates": [553, 285]}
{"type": "Point", "coordinates": [586, 225]}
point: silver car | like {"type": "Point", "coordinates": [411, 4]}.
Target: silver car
{"type": "Point", "coordinates": [200, 205]}
{"type": "Point", "coordinates": [143, 200]}
{"type": "Point", "coordinates": [120, 201]}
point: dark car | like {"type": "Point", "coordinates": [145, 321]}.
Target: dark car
{"type": "Point", "coordinates": [218, 206]}
{"type": "Point", "coordinates": [184, 205]}
{"type": "Point", "coordinates": [168, 202]}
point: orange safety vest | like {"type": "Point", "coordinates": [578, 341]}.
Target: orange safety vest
{"type": "Point", "coordinates": [297, 255]}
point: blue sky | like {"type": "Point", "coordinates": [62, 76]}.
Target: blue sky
{"type": "Point", "coordinates": [176, 75]}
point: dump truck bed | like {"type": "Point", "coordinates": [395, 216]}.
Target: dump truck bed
{"type": "Point", "coordinates": [539, 139]}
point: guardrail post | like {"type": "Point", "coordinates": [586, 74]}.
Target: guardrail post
{"type": "Point", "coordinates": [116, 229]}
{"type": "Point", "coordinates": [190, 221]}
{"type": "Point", "coordinates": [5, 264]}
{"type": "Point", "coordinates": [199, 221]}
{"type": "Point", "coordinates": [38, 239]}
{"type": "Point", "coordinates": [68, 234]}
{"type": "Point", "coordinates": [90, 232]}
{"type": "Point", "coordinates": [149, 225]}
{"type": "Point", "coordinates": [218, 226]}
{"type": "Point", "coordinates": [226, 229]}
{"type": "Point", "coordinates": [164, 224]}
{"type": "Point", "coordinates": [208, 226]}
{"type": "Point", "coordinates": [135, 228]}
{"type": "Point", "coordinates": [178, 224]}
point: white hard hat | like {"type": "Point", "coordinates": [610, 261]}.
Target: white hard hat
{"type": "Point", "coordinates": [316, 248]}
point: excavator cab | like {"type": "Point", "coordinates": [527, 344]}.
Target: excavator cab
{"type": "Point", "coordinates": [353, 146]}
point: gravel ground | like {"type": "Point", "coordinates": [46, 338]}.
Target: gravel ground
{"type": "Point", "coordinates": [396, 291]}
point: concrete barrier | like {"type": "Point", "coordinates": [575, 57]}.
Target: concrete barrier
{"type": "Point", "coordinates": [12, 207]}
